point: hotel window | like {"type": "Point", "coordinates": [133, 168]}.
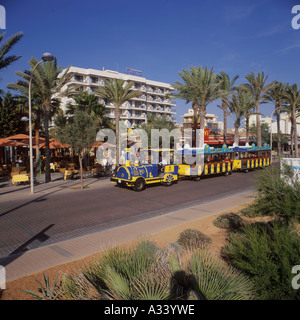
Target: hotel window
{"type": "Point", "coordinates": [78, 78]}
{"type": "Point", "coordinates": [94, 79]}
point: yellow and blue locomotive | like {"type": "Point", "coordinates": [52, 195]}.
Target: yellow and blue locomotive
{"type": "Point", "coordinates": [152, 169]}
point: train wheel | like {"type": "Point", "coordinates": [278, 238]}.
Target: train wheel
{"type": "Point", "coordinates": [226, 173]}
{"type": "Point", "coordinates": [139, 185]}
{"type": "Point", "coordinates": [168, 180]}
{"type": "Point", "coordinates": [196, 178]}
{"type": "Point", "coordinates": [246, 170]}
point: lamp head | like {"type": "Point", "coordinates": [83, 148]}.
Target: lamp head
{"type": "Point", "coordinates": [47, 56]}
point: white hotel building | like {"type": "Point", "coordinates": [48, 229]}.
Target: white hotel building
{"type": "Point", "coordinates": [152, 100]}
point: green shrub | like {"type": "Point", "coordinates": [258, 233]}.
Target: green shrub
{"type": "Point", "coordinates": [228, 221]}
{"type": "Point", "coordinates": [277, 195]}
{"type": "Point", "coordinates": [193, 239]}
{"type": "Point", "coordinates": [266, 252]}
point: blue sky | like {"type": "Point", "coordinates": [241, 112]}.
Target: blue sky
{"type": "Point", "coordinates": [159, 37]}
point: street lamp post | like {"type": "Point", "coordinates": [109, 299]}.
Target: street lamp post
{"type": "Point", "coordinates": [46, 57]}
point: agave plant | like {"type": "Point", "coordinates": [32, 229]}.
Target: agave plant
{"type": "Point", "coordinates": [47, 292]}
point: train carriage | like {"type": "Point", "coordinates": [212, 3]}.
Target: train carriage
{"type": "Point", "coordinates": [208, 161]}
{"type": "Point", "coordinates": [251, 157]}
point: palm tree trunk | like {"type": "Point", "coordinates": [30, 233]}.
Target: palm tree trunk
{"type": "Point", "coordinates": [258, 127]}
{"type": "Point", "coordinates": [195, 108]}
{"type": "Point", "coordinates": [81, 172]}
{"type": "Point", "coordinates": [37, 151]}
{"type": "Point", "coordinates": [117, 117]}
{"type": "Point", "coordinates": [295, 132]}
{"type": "Point", "coordinates": [202, 113]}
{"type": "Point", "coordinates": [247, 129]}
{"type": "Point", "coordinates": [278, 131]}
{"type": "Point", "coordinates": [292, 137]}
{"type": "Point", "coordinates": [224, 108]}
{"type": "Point", "coordinates": [47, 148]}
{"type": "Point", "coordinates": [236, 133]}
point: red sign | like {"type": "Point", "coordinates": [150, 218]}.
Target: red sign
{"type": "Point", "coordinates": [206, 135]}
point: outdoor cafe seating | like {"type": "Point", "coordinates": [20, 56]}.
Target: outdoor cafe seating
{"type": "Point", "coordinates": [18, 175]}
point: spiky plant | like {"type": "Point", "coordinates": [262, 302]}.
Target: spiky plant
{"type": "Point", "coordinates": [46, 291]}
{"type": "Point", "coordinates": [214, 280]}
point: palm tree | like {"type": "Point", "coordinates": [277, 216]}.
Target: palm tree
{"type": "Point", "coordinates": [247, 114]}
{"type": "Point", "coordinates": [201, 87]}
{"type": "Point", "coordinates": [227, 87]}
{"type": "Point", "coordinates": [277, 95]}
{"type": "Point", "coordinates": [84, 101]}
{"type": "Point", "coordinates": [293, 106]}
{"type": "Point", "coordinates": [258, 87]}
{"type": "Point", "coordinates": [5, 60]}
{"type": "Point", "coordinates": [117, 92]}
{"type": "Point", "coordinates": [242, 102]}
{"type": "Point", "coordinates": [22, 87]}
{"type": "Point", "coordinates": [47, 82]}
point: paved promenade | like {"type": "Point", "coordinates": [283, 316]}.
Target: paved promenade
{"type": "Point", "coordinates": [31, 261]}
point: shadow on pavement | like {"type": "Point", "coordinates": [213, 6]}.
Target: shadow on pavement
{"type": "Point", "coordinates": [39, 237]}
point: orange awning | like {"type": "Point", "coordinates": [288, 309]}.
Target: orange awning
{"type": "Point", "coordinates": [18, 137]}
{"type": "Point", "coordinates": [54, 144]}
{"type": "Point", "coordinates": [10, 143]}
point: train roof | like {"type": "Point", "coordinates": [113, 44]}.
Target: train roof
{"type": "Point", "coordinates": [205, 150]}
{"type": "Point", "coordinates": [251, 148]}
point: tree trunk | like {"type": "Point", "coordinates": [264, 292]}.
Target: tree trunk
{"type": "Point", "coordinates": [202, 113]}
{"type": "Point", "coordinates": [194, 137]}
{"type": "Point", "coordinates": [292, 137]}
{"type": "Point", "coordinates": [278, 131]}
{"type": "Point", "coordinates": [47, 148]}
{"type": "Point", "coordinates": [295, 132]}
{"type": "Point", "coordinates": [37, 151]}
{"type": "Point", "coordinates": [117, 119]}
{"type": "Point", "coordinates": [258, 127]}
{"type": "Point", "coordinates": [247, 129]}
{"type": "Point", "coordinates": [236, 133]}
{"type": "Point", "coordinates": [224, 108]}
{"type": "Point", "coordinates": [81, 171]}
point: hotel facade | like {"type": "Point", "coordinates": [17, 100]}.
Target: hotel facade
{"type": "Point", "coordinates": [153, 99]}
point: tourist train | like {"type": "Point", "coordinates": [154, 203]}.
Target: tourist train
{"type": "Point", "coordinates": [167, 166]}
